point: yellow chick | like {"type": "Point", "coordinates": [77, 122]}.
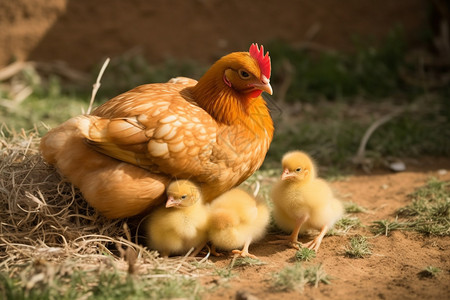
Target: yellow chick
{"type": "Point", "coordinates": [182, 223]}
{"type": "Point", "coordinates": [302, 201]}
{"type": "Point", "coordinates": [237, 219]}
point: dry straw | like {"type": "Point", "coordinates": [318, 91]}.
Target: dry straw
{"type": "Point", "coordinates": [45, 218]}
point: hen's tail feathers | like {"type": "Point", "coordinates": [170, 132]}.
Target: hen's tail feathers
{"type": "Point", "coordinates": [114, 188]}
{"type": "Point", "coordinates": [57, 140]}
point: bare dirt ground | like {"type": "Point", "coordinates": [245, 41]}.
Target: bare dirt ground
{"type": "Point", "coordinates": [391, 272]}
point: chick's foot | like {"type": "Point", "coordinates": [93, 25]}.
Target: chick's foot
{"type": "Point", "coordinates": [214, 252]}
{"type": "Point", "coordinates": [286, 239]}
{"type": "Point", "coordinates": [315, 243]}
{"type": "Point", "coordinates": [243, 253]}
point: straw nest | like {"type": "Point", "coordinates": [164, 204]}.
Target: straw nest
{"type": "Point", "coordinates": [45, 220]}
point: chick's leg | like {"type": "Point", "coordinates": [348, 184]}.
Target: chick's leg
{"type": "Point", "coordinates": [292, 239]}
{"type": "Point", "coordinates": [198, 249]}
{"type": "Point", "coordinates": [244, 251]}
{"type": "Point", "coordinates": [315, 244]}
{"type": "Point", "coordinates": [214, 251]}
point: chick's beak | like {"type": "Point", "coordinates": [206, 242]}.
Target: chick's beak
{"type": "Point", "coordinates": [286, 174]}
{"type": "Point", "coordinates": [171, 202]}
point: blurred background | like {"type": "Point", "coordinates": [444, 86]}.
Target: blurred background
{"type": "Point", "coordinates": [81, 33]}
{"type": "Point", "coordinates": [338, 66]}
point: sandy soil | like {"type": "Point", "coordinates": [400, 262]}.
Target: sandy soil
{"type": "Point", "coordinates": [391, 272]}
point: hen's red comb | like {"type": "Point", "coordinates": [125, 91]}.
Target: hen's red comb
{"type": "Point", "coordinates": [263, 60]}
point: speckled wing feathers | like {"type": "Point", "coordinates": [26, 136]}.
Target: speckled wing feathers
{"type": "Point", "coordinates": [168, 135]}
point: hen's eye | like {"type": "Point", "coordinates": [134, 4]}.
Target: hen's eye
{"type": "Point", "coordinates": [298, 169]}
{"type": "Point", "coordinates": [244, 74]}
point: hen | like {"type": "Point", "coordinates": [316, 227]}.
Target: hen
{"type": "Point", "coordinates": [181, 224]}
{"type": "Point", "coordinates": [302, 201]}
{"type": "Point", "coordinates": [216, 132]}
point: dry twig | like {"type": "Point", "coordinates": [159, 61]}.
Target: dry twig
{"type": "Point", "coordinates": [360, 157]}
{"type": "Point", "coordinates": [97, 84]}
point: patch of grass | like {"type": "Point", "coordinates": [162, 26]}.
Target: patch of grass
{"type": "Point", "coordinates": [225, 273]}
{"type": "Point", "coordinates": [337, 139]}
{"type": "Point", "coordinates": [168, 288]}
{"type": "Point", "coordinates": [34, 111]}
{"type": "Point", "coordinates": [103, 285]}
{"type": "Point", "coordinates": [246, 261]}
{"type": "Point", "coordinates": [386, 226]}
{"type": "Point", "coordinates": [358, 248]}
{"type": "Point", "coordinates": [13, 288]}
{"type": "Point", "coordinates": [352, 207]}
{"type": "Point", "coordinates": [430, 272]}
{"type": "Point", "coordinates": [429, 212]}
{"type": "Point", "coordinates": [305, 254]}
{"type": "Point", "coordinates": [344, 225]}
{"type": "Point", "coordinates": [421, 130]}
{"type": "Point", "coordinates": [371, 72]}
{"type": "Point", "coordinates": [295, 277]}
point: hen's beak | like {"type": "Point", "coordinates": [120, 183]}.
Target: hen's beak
{"type": "Point", "coordinates": [264, 85]}
{"type": "Point", "coordinates": [266, 88]}
{"type": "Point", "coordinates": [171, 202]}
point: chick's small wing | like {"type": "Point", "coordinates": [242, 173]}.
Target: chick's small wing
{"type": "Point", "coordinates": [170, 135]}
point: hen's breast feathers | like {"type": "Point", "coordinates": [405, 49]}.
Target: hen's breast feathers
{"type": "Point", "coordinates": [173, 135]}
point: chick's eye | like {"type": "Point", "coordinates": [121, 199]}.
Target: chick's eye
{"type": "Point", "coordinates": [298, 169]}
{"type": "Point", "coordinates": [244, 74]}
{"type": "Point", "coordinates": [184, 197]}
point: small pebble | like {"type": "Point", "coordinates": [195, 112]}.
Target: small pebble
{"type": "Point", "coordinates": [442, 172]}
{"type": "Point", "coordinates": [397, 166]}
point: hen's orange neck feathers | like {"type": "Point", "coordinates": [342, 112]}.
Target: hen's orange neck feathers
{"type": "Point", "coordinates": [231, 99]}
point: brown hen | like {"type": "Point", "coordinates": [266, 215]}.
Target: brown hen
{"type": "Point", "coordinates": [215, 132]}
